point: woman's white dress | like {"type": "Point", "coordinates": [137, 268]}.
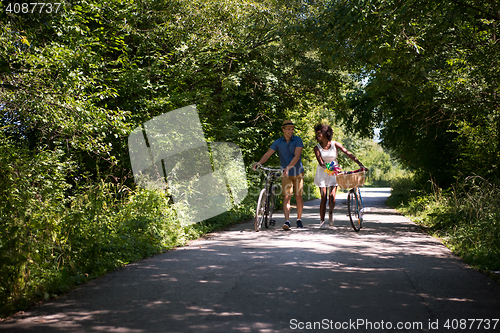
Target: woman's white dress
{"type": "Point", "coordinates": [323, 179]}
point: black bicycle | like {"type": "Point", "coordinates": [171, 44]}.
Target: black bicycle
{"type": "Point", "coordinates": [267, 198]}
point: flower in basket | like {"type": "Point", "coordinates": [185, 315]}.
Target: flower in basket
{"type": "Point", "coordinates": [332, 169]}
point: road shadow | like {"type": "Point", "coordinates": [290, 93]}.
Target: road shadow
{"type": "Point", "coordinates": [271, 281]}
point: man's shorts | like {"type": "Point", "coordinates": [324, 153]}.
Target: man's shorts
{"type": "Point", "coordinates": [293, 184]}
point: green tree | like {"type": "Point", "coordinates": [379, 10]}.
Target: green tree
{"type": "Point", "coordinates": [430, 79]}
{"type": "Point", "coordinates": [73, 85]}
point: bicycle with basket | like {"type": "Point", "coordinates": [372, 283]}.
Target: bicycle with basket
{"type": "Point", "coordinates": [352, 181]}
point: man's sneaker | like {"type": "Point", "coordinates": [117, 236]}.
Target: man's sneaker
{"type": "Point", "coordinates": [286, 226]}
{"type": "Point", "coordinates": [299, 224]}
{"type": "Point", "coordinates": [322, 225]}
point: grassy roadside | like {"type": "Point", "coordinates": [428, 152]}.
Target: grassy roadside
{"type": "Point", "coordinates": [466, 218]}
{"type": "Point", "coordinates": [49, 253]}
{"type": "Point", "coordinates": [61, 244]}
{"type": "Point", "coordinates": [51, 242]}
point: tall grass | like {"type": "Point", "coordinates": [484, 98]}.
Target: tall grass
{"type": "Point", "coordinates": [466, 217]}
{"type": "Point", "coordinates": [104, 227]}
{"type": "Point", "coordinates": [50, 244]}
{"type": "Point", "coordinates": [46, 252]}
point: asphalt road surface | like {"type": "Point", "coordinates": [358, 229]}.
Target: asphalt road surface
{"type": "Point", "coordinates": [389, 277]}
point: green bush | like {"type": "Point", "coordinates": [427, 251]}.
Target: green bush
{"type": "Point", "coordinates": [32, 208]}
{"type": "Point", "coordinates": [466, 217]}
{"type": "Point", "coordinates": [50, 240]}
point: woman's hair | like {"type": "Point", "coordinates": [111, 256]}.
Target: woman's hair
{"type": "Point", "coordinates": [326, 130]}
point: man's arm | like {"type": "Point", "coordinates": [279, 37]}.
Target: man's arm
{"type": "Point", "coordinates": [296, 158]}
{"type": "Point", "coordinates": [264, 158]}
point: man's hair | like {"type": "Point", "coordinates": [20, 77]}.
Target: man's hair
{"type": "Point", "coordinates": [326, 130]}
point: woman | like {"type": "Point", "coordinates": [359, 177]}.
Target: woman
{"type": "Point", "coordinates": [326, 152]}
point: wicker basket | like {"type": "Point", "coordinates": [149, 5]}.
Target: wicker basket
{"type": "Point", "coordinates": [352, 180]}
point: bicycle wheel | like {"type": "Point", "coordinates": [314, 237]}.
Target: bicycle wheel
{"type": "Point", "coordinates": [353, 208]}
{"type": "Point", "coordinates": [260, 211]}
{"type": "Point", "coordinates": [272, 204]}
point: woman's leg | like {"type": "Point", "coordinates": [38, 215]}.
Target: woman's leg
{"type": "Point", "coordinates": [331, 203]}
{"type": "Point", "coordinates": [322, 205]}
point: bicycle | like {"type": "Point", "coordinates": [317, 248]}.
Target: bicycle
{"type": "Point", "coordinates": [352, 181]}
{"type": "Point", "coordinates": [267, 198]}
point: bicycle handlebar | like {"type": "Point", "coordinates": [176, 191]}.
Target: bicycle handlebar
{"type": "Point", "coordinates": [260, 166]}
{"type": "Point", "coordinates": [269, 171]}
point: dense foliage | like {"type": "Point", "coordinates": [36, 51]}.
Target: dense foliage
{"type": "Point", "coordinates": [74, 84]}
{"type": "Point", "coordinates": [429, 73]}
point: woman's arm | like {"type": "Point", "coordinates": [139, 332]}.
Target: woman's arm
{"type": "Point", "coordinates": [318, 157]}
{"type": "Point", "coordinates": [348, 153]}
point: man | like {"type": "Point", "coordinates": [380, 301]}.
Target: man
{"type": "Point", "coordinates": [289, 149]}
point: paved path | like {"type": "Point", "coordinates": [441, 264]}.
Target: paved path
{"type": "Point", "coordinates": [389, 275]}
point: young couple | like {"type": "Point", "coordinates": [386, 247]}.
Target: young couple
{"type": "Point", "coordinates": [289, 149]}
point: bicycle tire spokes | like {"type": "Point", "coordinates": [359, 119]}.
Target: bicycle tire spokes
{"type": "Point", "coordinates": [266, 212]}
{"type": "Point", "coordinates": [259, 212]}
{"type": "Point", "coordinates": [353, 208]}
{"type": "Point", "coordinates": [267, 199]}
{"type": "Point", "coordinates": [272, 204]}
